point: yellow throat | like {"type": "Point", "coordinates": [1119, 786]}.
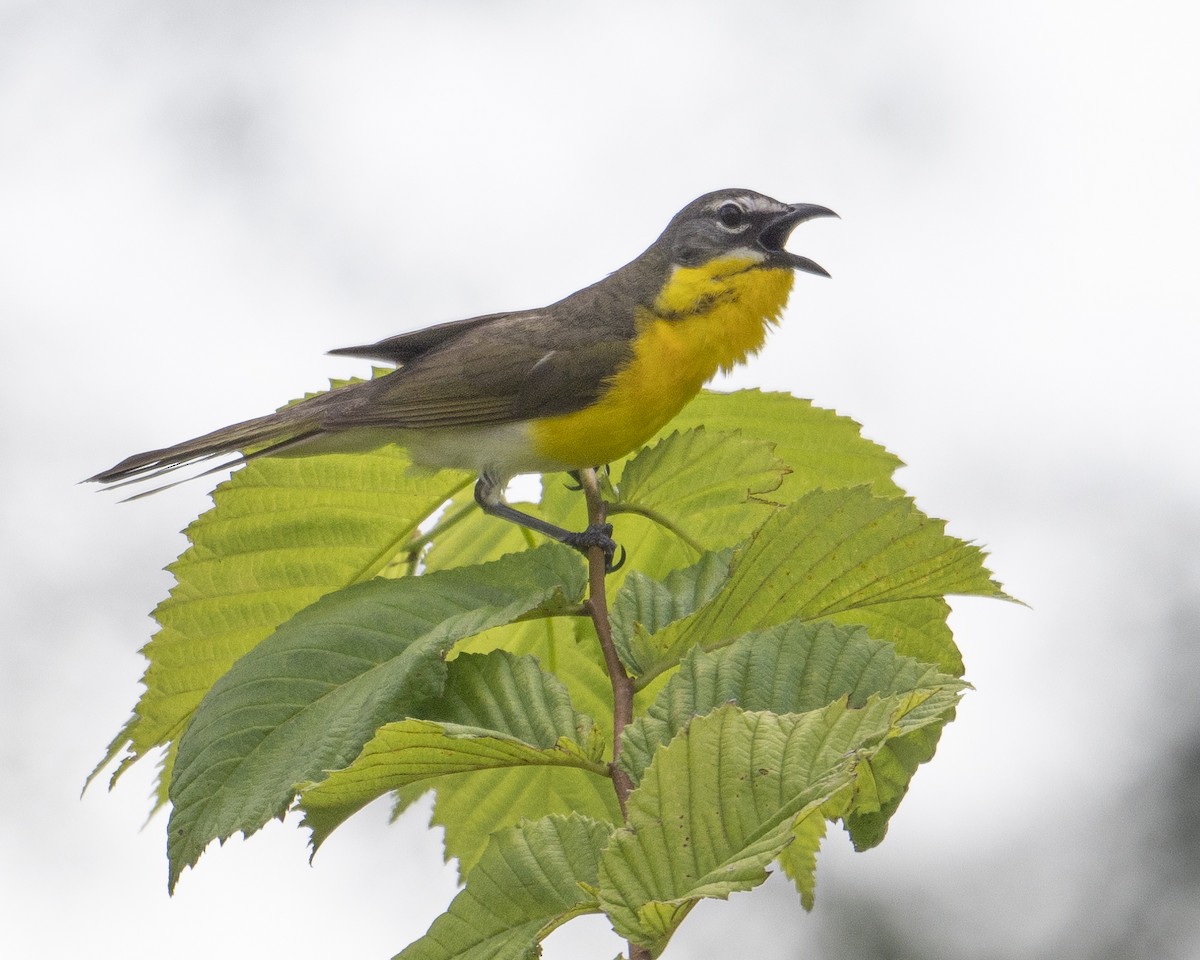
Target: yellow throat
{"type": "Point", "coordinates": [705, 319]}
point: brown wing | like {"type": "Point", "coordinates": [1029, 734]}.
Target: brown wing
{"type": "Point", "coordinates": [408, 346]}
{"type": "Point", "coordinates": [494, 369]}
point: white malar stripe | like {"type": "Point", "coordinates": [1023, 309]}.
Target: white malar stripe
{"type": "Point", "coordinates": [746, 253]}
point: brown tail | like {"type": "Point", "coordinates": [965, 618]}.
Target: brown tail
{"type": "Point", "coordinates": [249, 439]}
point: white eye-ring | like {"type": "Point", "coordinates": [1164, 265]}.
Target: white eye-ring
{"type": "Point", "coordinates": [732, 216]}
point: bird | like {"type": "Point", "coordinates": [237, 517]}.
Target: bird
{"type": "Point", "coordinates": [576, 384]}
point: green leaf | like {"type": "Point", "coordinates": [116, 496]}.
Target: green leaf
{"type": "Point", "coordinates": [282, 533]}
{"type": "Point", "coordinates": [891, 770]}
{"type": "Point", "coordinates": [565, 646]}
{"type": "Point", "coordinates": [465, 535]}
{"type": "Point", "coordinates": [511, 695]}
{"type": "Point", "coordinates": [718, 803]}
{"type": "Point", "coordinates": [798, 667]}
{"type": "Point", "coordinates": [822, 448]}
{"type": "Point", "coordinates": [643, 606]}
{"type": "Point", "coordinates": [793, 668]}
{"type": "Point", "coordinates": [917, 626]}
{"type": "Point", "coordinates": [410, 751]}
{"type": "Point", "coordinates": [799, 858]}
{"type": "Point", "coordinates": [700, 490]}
{"type": "Point", "coordinates": [831, 554]}
{"type": "Point", "coordinates": [497, 710]}
{"type": "Point", "coordinates": [531, 879]}
{"type": "Point", "coordinates": [471, 806]}
{"type": "Point", "coordinates": [309, 697]}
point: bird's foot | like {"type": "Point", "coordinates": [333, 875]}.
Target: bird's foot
{"type": "Point", "coordinates": [598, 535]}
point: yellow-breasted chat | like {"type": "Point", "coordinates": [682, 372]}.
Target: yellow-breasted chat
{"type": "Point", "coordinates": [575, 384]}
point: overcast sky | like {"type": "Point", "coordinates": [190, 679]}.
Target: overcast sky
{"type": "Point", "coordinates": [198, 199]}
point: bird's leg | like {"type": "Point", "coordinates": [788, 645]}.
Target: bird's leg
{"type": "Point", "coordinates": [489, 494]}
{"type": "Point", "coordinates": [578, 481]}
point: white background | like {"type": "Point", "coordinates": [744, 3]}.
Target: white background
{"type": "Point", "coordinates": [198, 199]}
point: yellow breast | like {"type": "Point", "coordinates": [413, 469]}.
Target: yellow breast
{"type": "Point", "coordinates": [705, 319]}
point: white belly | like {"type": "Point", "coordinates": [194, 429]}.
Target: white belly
{"type": "Point", "coordinates": [503, 450]}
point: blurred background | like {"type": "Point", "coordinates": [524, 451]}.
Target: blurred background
{"type": "Point", "coordinates": [198, 199]}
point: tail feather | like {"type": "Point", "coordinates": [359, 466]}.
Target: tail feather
{"type": "Point", "coordinates": [174, 483]}
{"type": "Point", "coordinates": [249, 439]}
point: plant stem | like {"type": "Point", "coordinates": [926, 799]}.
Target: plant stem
{"type": "Point", "coordinates": [655, 517]}
{"type": "Point", "coordinates": [597, 607]}
{"type": "Point", "coordinates": [622, 685]}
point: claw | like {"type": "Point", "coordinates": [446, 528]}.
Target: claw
{"type": "Point", "coordinates": [578, 484]}
{"type": "Point", "coordinates": [597, 535]}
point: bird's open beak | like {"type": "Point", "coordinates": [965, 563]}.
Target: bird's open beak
{"type": "Point", "coordinates": [778, 230]}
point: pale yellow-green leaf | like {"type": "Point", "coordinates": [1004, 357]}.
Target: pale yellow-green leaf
{"type": "Point", "coordinates": [717, 804]}
{"type": "Point", "coordinates": [828, 555]}
{"type": "Point", "coordinates": [531, 879]}
{"type": "Point", "coordinates": [473, 806]}
{"type": "Point", "coordinates": [799, 858]}
{"type": "Point", "coordinates": [464, 535]}
{"type": "Point", "coordinates": [701, 490]}
{"type": "Point", "coordinates": [282, 533]}
{"type": "Point", "coordinates": [821, 448]}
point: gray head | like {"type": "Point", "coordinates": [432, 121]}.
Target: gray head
{"type": "Point", "coordinates": [739, 223]}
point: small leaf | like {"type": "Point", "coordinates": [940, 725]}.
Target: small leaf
{"type": "Point", "coordinates": [309, 697]}
{"type": "Point", "coordinates": [531, 879]}
{"type": "Point", "coordinates": [511, 695]}
{"type": "Point", "coordinates": [799, 858]}
{"type": "Point", "coordinates": [798, 667]}
{"type": "Point", "coordinates": [891, 771]}
{"type": "Point", "coordinates": [644, 606]}
{"type": "Point", "coordinates": [497, 711]}
{"type": "Point", "coordinates": [564, 646]}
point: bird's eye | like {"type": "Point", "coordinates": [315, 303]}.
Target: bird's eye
{"type": "Point", "coordinates": [731, 216]}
